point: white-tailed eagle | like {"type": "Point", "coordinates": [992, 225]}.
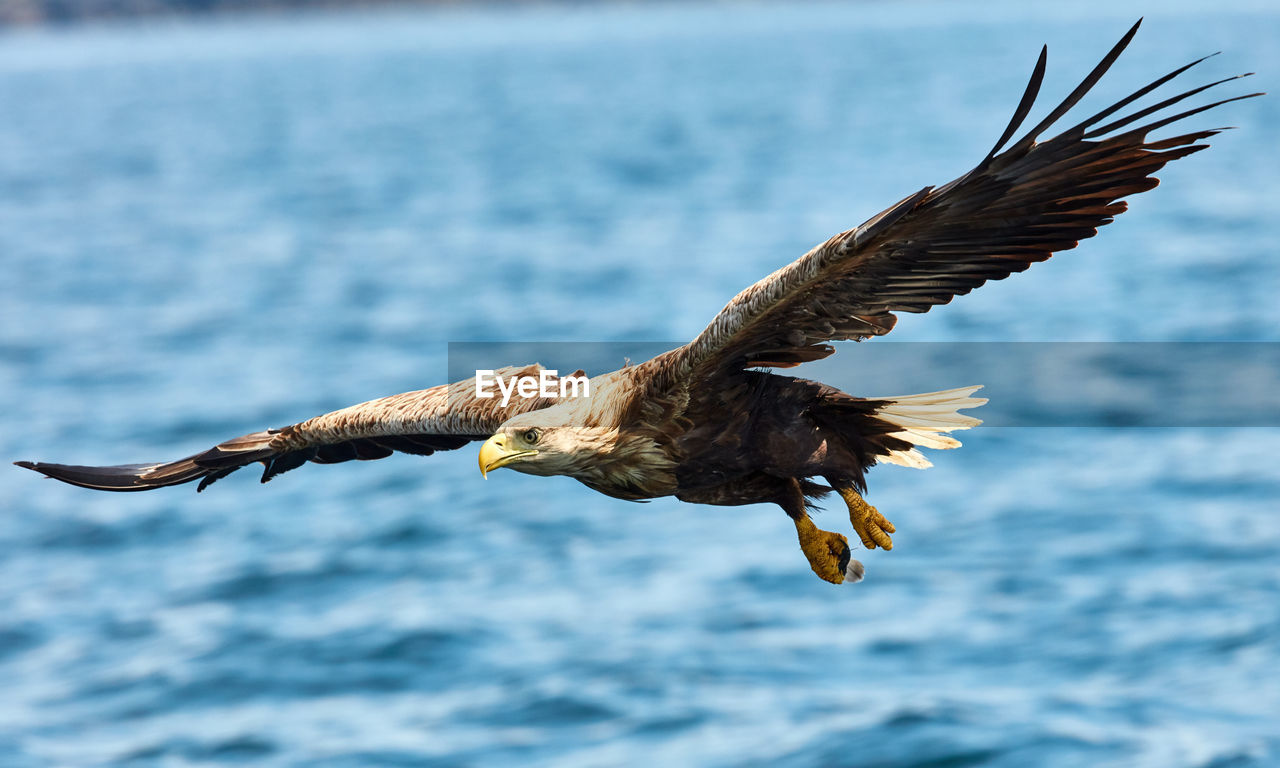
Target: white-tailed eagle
{"type": "Point", "coordinates": [704, 422]}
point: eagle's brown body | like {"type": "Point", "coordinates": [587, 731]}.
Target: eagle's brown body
{"type": "Point", "coordinates": [703, 422]}
{"type": "Point", "coordinates": [784, 428]}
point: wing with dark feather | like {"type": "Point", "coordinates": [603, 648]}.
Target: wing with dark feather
{"type": "Point", "coordinates": [1020, 205]}
{"type": "Point", "coordinates": [438, 419]}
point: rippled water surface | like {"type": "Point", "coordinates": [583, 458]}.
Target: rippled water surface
{"type": "Point", "coordinates": [206, 229]}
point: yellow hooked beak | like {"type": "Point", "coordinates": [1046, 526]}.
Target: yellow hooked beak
{"type": "Point", "coordinates": [494, 454]}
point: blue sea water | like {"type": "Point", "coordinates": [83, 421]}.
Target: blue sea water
{"type": "Point", "coordinates": [207, 228]}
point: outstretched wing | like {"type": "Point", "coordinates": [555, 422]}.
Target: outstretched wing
{"type": "Point", "coordinates": [438, 419]}
{"type": "Point", "coordinates": [1018, 206]}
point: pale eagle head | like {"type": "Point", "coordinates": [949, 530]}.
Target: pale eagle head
{"type": "Point", "coordinates": [561, 440]}
{"type": "Point", "coordinates": [581, 438]}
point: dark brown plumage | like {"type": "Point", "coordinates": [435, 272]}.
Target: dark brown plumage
{"type": "Point", "coordinates": [698, 422]}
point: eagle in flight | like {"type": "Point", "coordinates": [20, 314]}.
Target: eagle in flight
{"type": "Point", "coordinates": [707, 422]}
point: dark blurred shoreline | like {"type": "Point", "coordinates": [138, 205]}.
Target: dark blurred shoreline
{"type": "Point", "coordinates": [39, 13]}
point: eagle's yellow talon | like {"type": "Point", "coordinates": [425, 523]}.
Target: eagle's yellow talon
{"type": "Point", "coordinates": [828, 552]}
{"type": "Point", "coordinates": [870, 525]}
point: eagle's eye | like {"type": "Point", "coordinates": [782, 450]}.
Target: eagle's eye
{"type": "Point", "coordinates": [531, 436]}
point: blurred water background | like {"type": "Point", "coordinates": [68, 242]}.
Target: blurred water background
{"type": "Point", "coordinates": [211, 228]}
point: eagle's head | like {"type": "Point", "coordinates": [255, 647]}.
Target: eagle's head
{"type": "Point", "coordinates": [540, 443]}
{"type": "Point", "coordinates": [582, 438]}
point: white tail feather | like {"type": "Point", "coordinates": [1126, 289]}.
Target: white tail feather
{"type": "Point", "coordinates": [924, 418]}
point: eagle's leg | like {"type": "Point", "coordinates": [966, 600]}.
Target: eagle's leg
{"type": "Point", "coordinates": [827, 552]}
{"type": "Point", "coordinates": [872, 527]}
